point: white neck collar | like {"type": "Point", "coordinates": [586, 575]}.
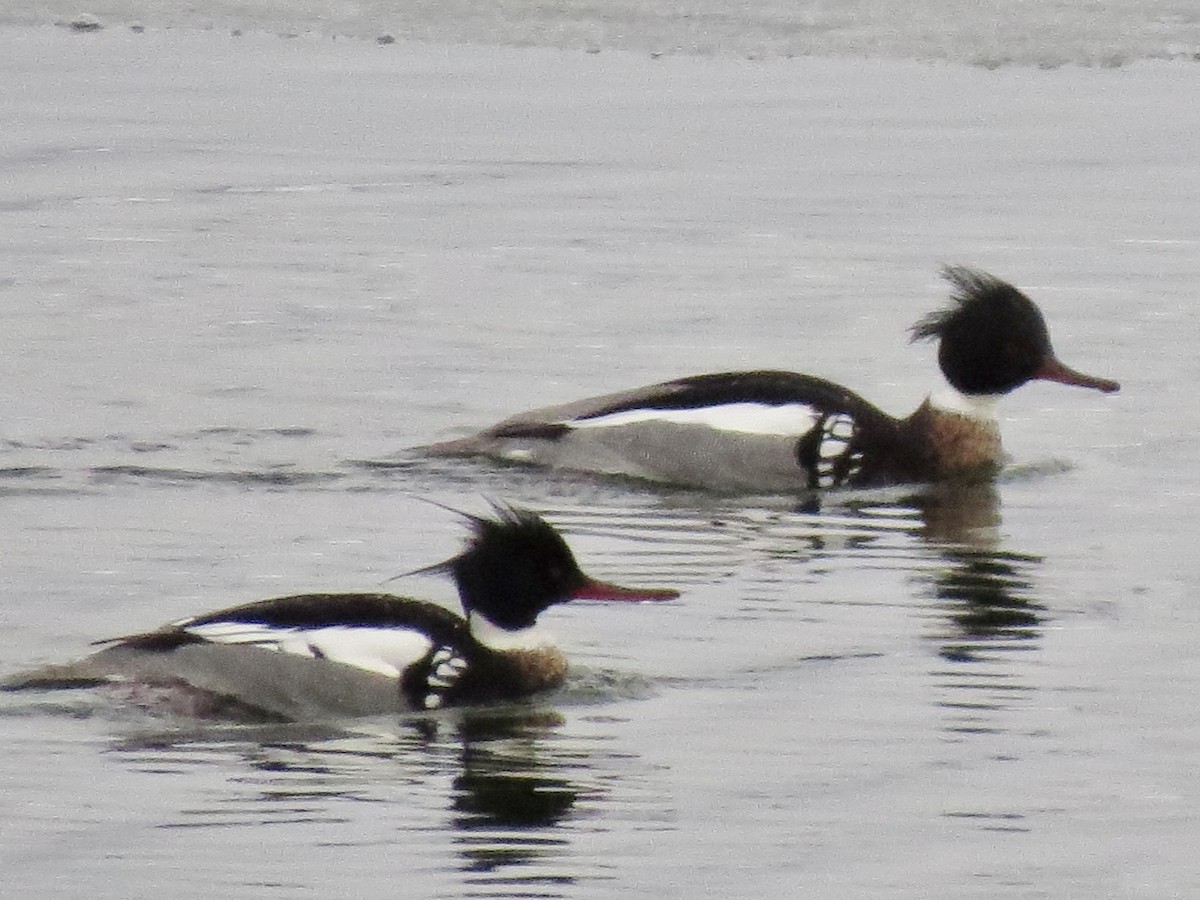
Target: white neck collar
{"type": "Point", "coordinates": [500, 639]}
{"type": "Point", "coordinates": [981, 407]}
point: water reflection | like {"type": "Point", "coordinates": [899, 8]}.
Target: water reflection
{"type": "Point", "coordinates": [506, 801]}
{"type": "Point", "coordinates": [493, 795]}
{"type": "Point", "coordinates": [977, 599]}
{"type": "Point", "coordinates": [868, 569]}
{"type": "Point", "coordinates": [985, 591]}
{"type": "Point", "coordinates": [986, 604]}
{"type": "Point", "coordinates": [502, 782]}
{"type": "Point", "coordinates": [507, 805]}
{"type": "Point", "coordinates": [965, 515]}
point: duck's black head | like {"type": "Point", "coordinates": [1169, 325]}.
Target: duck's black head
{"type": "Point", "coordinates": [993, 339]}
{"type": "Point", "coordinates": [516, 565]}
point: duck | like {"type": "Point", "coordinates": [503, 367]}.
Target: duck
{"type": "Point", "coordinates": [779, 431]}
{"type": "Point", "coordinates": [292, 657]}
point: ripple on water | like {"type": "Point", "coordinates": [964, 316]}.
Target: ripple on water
{"type": "Point", "coordinates": [501, 800]}
{"type": "Point", "coordinates": [786, 601]}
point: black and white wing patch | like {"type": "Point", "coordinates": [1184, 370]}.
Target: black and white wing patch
{"type": "Point", "coordinates": [829, 451]}
{"type": "Point", "coordinates": [446, 668]}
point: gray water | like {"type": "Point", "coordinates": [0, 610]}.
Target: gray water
{"type": "Point", "coordinates": [244, 274]}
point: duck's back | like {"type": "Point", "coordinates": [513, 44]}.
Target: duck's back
{"type": "Point", "coordinates": [760, 430]}
{"type": "Point", "coordinates": [287, 657]}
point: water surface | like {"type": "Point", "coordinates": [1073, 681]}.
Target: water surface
{"type": "Point", "coordinates": [245, 274]}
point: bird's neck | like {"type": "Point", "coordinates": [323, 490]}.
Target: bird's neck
{"type": "Point", "coordinates": [978, 407]}
{"type": "Point", "coordinates": [505, 640]}
{"type": "Point", "coordinates": [960, 434]}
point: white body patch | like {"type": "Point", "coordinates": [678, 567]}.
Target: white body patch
{"type": "Point", "coordinates": [496, 638]}
{"type": "Point", "coordinates": [981, 407]}
{"type": "Point", "coordinates": [748, 418]}
{"type": "Point", "coordinates": [388, 651]}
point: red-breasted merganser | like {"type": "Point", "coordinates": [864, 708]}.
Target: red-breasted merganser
{"type": "Point", "coordinates": [782, 431]}
{"type": "Point", "coordinates": [362, 654]}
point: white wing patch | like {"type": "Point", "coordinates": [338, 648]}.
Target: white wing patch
{"type": "Point", "coordinates": [748, 418]}
{"type": "Point", "coordinates": [388, 651]}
